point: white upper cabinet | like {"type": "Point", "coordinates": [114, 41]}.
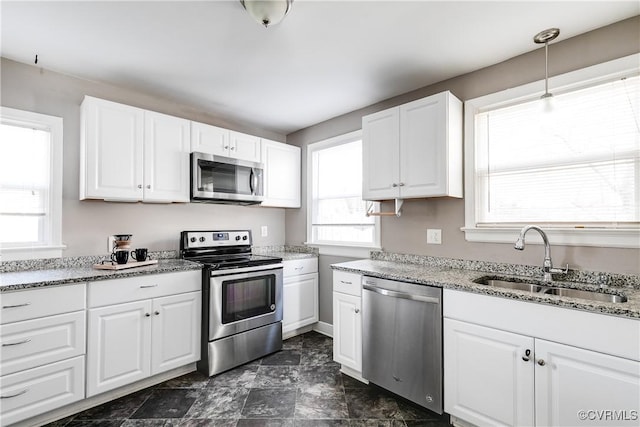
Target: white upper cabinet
{"type": "Point", "coordinates": [129, 154]}
{"type": "Point", "coordinates": [281, 174]}
{"type": "Point", "coordinates": [414, 150]}
{"type": "Point", "coordinates": [166, 158]}
{"type": "Point", "coordinates": [224, 142]}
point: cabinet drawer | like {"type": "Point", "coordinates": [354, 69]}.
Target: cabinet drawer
{"type": "Point", "coordinates": [37, 342]}
{"type": "Point", "coordinates": [117, 291]}
{"type": "Point", "coordinates": [296, 267]}
{"type": "Point", "coordinates": [347, 283]}
{"type": "Point", "coordinates": [39, 302]}
{"type": "Point", "coordinates": [35, 391]}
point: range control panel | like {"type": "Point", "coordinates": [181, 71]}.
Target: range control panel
{"type": "Point", "coordinates": [206, 239]}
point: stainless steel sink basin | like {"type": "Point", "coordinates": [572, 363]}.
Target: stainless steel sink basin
{"type": "Point", "coordinates": [592, 296]}
{"type": "Point", "coordinates": [550, 290]}
{"type": "Point", "coordinates": [531, 287]}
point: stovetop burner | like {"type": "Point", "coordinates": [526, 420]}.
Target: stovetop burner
{"type": "Point", "coordinates": [219, 250]}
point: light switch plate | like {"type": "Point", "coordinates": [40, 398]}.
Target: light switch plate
{"type": "Point", "coordinates": [434, 236]}
{"type": "Point", "coordinates": [264, 231]}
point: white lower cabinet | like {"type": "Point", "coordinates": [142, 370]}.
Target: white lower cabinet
{"type": "Point", "coordinates": [299, 295]}
{"type": "Point", "coordinates": [347, 321]}
{"type": "Point", "coordinates": [42, 356]}
{"type": "Point", "coordinates": [519, 377]}
{"type": "Point", "coordinates": [130, 341]}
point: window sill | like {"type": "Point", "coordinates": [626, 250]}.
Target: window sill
{"type": "Point", "coordinates": [350, 251]}
{"type": "Point", "coordinates": [32, 252]}
{"type": "Point", "coordinates": [597, 237]}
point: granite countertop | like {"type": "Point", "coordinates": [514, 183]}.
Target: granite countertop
{"type": "Point", "coordinates": [287, 253]}
{"type": "Point", "coordinates": [462, 279]}
{"type": "Point", "coordinates": [19, 280]}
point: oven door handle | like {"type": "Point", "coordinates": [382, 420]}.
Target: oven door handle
{"type": "Point", "coordinates": [236, 271]}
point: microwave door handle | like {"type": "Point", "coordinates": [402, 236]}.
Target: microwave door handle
{"type": "Point", "coordinates": [252, 182]}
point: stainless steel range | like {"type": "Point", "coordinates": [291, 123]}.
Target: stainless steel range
{"type": "Point", "coordinates": [241, 298]}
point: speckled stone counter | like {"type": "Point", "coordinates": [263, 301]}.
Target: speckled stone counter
{"type": "Point", "coordinates": [287, 253]}
{"type": "Point", "coordinates": [19, 280]}
{"type": "Point", "coordinates": [444, 275]}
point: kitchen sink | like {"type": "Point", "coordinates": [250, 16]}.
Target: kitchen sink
{"type": "Point", "coordinates": [590, 295]}
{"type": "Point", "coordinates": [520, 285]}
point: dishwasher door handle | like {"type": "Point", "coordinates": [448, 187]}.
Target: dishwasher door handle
{"type": "Point", "coordinates": [404, 295]}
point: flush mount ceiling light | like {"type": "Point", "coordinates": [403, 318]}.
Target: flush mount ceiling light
{"type": "Point", "coordinates": [545, 37]}
{"type": "Point", "coordinates": [267, 12]}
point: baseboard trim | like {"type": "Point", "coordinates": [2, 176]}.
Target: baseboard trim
{"type": "Point", "coordinates": [324, 328]}
{"type": "Point", "coordinates": [108, 396]}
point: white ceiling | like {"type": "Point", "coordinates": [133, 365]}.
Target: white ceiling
{"type": "Point", "coordinates": [324, 59]}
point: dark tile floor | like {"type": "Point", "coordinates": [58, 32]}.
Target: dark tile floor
{"type": "Point", "coordinates": [298, 386]}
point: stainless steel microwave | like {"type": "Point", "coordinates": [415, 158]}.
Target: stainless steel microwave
{"type": "Point", "coordinates": [218, 179]}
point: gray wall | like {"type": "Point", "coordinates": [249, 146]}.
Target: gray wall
{"type": "Point", "coordinates": [86, 224]}
{"type": "Point", "coordinates": [407, 234]}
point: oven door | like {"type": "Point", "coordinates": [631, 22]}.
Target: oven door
{"type": "Point", "coordinates": [244, 299]}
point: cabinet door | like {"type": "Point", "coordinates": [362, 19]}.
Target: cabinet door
{"type": "Point", "coordinates": [111, 151]}
{"type": "Point", "coordinates": [209, 139]}
{"type": "Point", "coordinates": [119, 341]}
{"type": "Point", "coordinates": [166, 158]}
{"type": "Point", "coordinates": [300, 301]}
{"type": "Point", "coordinates": [244, 147]}
{"type": "Point", "coordinates": [486, 380]}
{"type": "Point", "coordinates": [281, 174]}
{"type": "Point", "coordinates": [571, 381]}
{"type": "Point", "coordinates": [176, 331]}
{"type": "Point", "coordinates": [380, 162]}
{"type": "Point", "coordinates": [347, 330]}
{"type": "Point", "coordinates": [423, 161]}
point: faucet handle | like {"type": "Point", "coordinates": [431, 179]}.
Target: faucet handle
{"type": "Point", "coordinates": [560, 270]}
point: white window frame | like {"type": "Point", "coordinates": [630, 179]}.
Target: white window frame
{"type": "Point", "coordinates": [53, 241]}
{"type": "Point", "coordinates": [337, 249]}
{"type": "Point", "coordinates": [599, 237]}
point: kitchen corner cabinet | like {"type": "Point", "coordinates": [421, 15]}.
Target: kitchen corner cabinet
{"type": "Point", "coordinates": [281, 174]}
{"type": "Point", "coordinates": [129, 154]}
{"type": "Point", "coordinates": [413, 150]}
{"type": "Point", "coordinates": [299, 295]}
{"type": "Point", "coordinates": [42, 356]}
{"type": "Point", "coordinates": [155, 318]}
{"type": "Point", "coordinates": [347, 322]}
{"type": "Point", "coordinates": [224, 142]}
{"type": "Point", "coordinates": [517, 377]}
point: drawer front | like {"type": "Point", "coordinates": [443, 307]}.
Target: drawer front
{"type": "Point", "coordinates": [129, 289]}
{"type": "Point", "coordinates": [347, 283]}
{"type": "Point", "coordinates": [297, 267]}
{"type": "Point", "coordinates": [31, 343]}
{"type": "Point", "coordinates": [39, 390]}
{"type": "Point", "coordinates": [40, 302]}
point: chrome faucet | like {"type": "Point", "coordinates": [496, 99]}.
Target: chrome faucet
{"type": "Point", "coordinates": [547, 264]}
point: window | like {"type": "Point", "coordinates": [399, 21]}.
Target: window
{"type": "Point", "coordinates": [572, 170]}
{"type": "Point", "coordinates": [336, 211]}
{"type": "Point", "coordinates": [30, 185]}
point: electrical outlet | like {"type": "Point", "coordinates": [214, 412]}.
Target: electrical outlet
{"type": "Point", "coordinates": [434, 236]}
{"type": "Point", "coordinates": [264, 231]}
{"type": "Point", "coordinates": [110, 244]}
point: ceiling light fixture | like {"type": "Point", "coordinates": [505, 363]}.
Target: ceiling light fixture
{"type": "Point", "coordinates": [545, 37]}
{"type": "Point", "coordinates": [267, 12]}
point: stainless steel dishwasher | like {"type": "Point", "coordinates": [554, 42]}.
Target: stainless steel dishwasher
{"type": "Point", "coordinates": [402, 339]}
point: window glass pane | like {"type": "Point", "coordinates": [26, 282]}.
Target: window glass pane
{"type": "Point", "coordinates": [338, 213]}
{"type": "Point", "coordinates": [578, 164]}
{"type": "Point", "coordinates": [24, 183]}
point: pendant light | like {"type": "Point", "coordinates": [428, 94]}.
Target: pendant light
{"type": "Point", "coordinates": [545, 37]}
{"type": "Point", "coordinates": [267, 12]}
